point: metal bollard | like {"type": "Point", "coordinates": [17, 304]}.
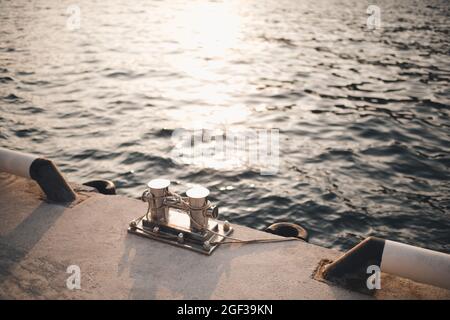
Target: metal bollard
{"type": "Point", "coordinates": [158, 188]}
{"type": "Point", "coordinates": [197, 201]}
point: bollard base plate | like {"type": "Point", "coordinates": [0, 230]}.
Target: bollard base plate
{"type": "Point", "coordinates": [178, 223]}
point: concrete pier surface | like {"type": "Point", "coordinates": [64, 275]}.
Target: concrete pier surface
{"type": "Point", "coordinates": [40, 240]}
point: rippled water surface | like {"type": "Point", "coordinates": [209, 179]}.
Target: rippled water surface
{"type": "Point", "coordinates": [363, 115]}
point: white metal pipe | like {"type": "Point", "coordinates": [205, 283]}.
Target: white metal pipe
{"type": "Point", "coordinates": [418, 264]}
{"type": "Point", "coordinates": [42, 170]}
{"type": "Point", "coordinates": [15, 162]}
{"type": "Point", "coordinates": [406, 261]}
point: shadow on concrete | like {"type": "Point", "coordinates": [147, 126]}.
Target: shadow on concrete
{"type": "Point", "coordinates": [155, 268]}
{"type": "Point", "coordinates": [18, 243]}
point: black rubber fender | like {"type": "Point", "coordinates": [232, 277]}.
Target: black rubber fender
{"type": "Point", "coordinates": [287, 229]}
{"type": "Point", "coordinates": [102, 186]}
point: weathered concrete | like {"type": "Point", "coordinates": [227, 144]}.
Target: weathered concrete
{"type": "Point", "coordinates": [38, 241]}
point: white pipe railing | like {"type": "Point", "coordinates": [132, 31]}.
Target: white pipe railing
{"type": "Point", "coordinates": [42, 170]}
{"type": "Point", "coordinates": [15, 162]}
{"type": "Point", "coordinates": [406, 261]}
{"type": "Point", "coordinates": [418, 264]}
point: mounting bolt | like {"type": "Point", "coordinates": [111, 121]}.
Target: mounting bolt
{"type": "Point", "coordinates": [180, 237]}
{"type": "Point", "coordinates": [226, 226]}
{"type": "Point", "coordinates": [156, 229]}
{"type": "Point", "coordinates": [206, 245]}
{"type": "Point", "coordinates": [133, 224]}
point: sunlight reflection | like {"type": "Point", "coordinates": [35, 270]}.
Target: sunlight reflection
{"type": "Point", "coordinates": [211, 28]}
{"type": "Point", "coordinates": [210, 117]}
{"type": "Point", "coordinates": [206, 33]}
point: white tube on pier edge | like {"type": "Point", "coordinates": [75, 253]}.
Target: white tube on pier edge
{"type": "Point", "coordinates": [417, 264]}
{"type": "Point", "coordinates": [15, 162]}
